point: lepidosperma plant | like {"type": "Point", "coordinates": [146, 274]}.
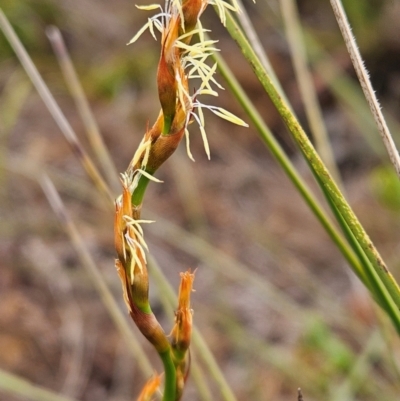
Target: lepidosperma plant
{"type": "Point", "coordinates": [185, 77]}
{"type": "Point", "coordinates": [180, 63]}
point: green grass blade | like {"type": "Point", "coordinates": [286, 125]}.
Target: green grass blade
{"type": "Point", "coordinates": [312, 108]}
{"type": "Point", "coordinates": [318, 168]}
{"type": "Point", "coordinates": [370, 279]}
{"type": "Point", "coordinates": [288, 167]}
{"type": "Point", "coordinates": [15, 385]}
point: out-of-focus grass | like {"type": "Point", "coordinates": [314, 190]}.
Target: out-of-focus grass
{"type": "Point", "coordinates": [327, 339]}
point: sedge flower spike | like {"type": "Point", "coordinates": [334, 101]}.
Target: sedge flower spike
{"type": "Point", "coordinates": [181, 62]}
{"type": "Point", "coordinates": [182, 332]}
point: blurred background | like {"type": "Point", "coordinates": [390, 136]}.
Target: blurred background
{"type": "Point", "coordinates": [236, 218]}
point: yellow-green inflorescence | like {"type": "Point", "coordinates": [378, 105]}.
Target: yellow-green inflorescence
{"type": "Point", "coordinates": [180, 63]}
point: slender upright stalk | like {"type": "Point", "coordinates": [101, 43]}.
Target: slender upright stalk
{"type": "Point", "coordinates": [53, 107]}
{"type": "Point", "coordinates": [307, 89]}
{"type": "Point", "coordinates": [83, 107]}
{"type": "Point", "coordinates": [365, 82]}
{"type": "Point", "coordinates": [15, 385]}
{"type": "Point", "coordinates": [289, 168]}
{"type": "Point", "coordinates": [393, 301]}
{"type": "Point", "coordinates": [104, 292]}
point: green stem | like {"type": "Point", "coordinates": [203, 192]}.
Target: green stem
{"type": "Point", "coordinates": [166, 356]}
{"type": "Point", "coordinates": [138, 193]}
{"type": "Point", "coordinates": [369, 276]}
{"type": "Point", "coordinates": [170, 376]}
{"type": "Point", "coordinates": [317, 165]}
{"type": "Point", "coordinates": [143, 307]}
{"type": "Point", "coordinates": [167, 124]}
{"type": "Point", "coordinates": [287, 165]}
{"type": "Point", "coordinates": [168, 301]}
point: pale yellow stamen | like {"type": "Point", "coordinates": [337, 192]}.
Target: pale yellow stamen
{"type": "Point", "coordinates": [182, 94]}
{"type": "Point", "coordinates": [137, 223]}
{"type": "Point", "coordinates": [233, 7]}
{"type": "Point", "coordinates": [205, 84]}
{"type": "Point", "coordinates": [150, 7]}
{"type": "Point", "coordinates": [139, 247]}
{"type": "Point", "coordinates": [221, 11]}
{"type": "Point", "coordinates": [144, 146]}
{"type": "Point", "coordinates": [197, 48]}
{"type": "Point", "coordinates": [146, 154]}
{"type": "Point", "coordinates": [123, 246]}
{"type": "Point", "coordinates": [201, 115]}
{"type": "Point", "coordinates": [193, 32]}
{"type": "Point", "coordinates": [129, 181]}
{"type": "Point", "coordinates": [189, 153]}
{"type": "Point", "coordinates": [140, 238]}
{"type": "Point", "coordinates": [201, 30]}
{"type": "Point", "coordinates": [203, 133]}
{"type": "Point", "coordinates": [135, 260]}
{"type": "Point", "coordinates": [134, 225]}
{"type": "Point", "coordinates": [222, 5]}
{"type": "Point", "coordinates": [151, 28]}
{"type": "Point", "coordinates": [151, 22]}
{"type": "Point", "coordinates": [139, 33]}
{"type": "Point", "coordinates": [226, 115]}
{"type": "Point", "coordinates": [148, 176]}
{"type": "Point", "coordinates": [207, 92]}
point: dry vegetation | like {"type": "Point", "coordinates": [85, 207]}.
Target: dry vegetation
{"type": "Point", "coordinates": [274, 298]}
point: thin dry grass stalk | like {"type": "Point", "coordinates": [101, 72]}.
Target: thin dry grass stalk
{"type": "Point", "coordinates": [53, 107]}
{"type": "Point", "coordinates": [14, 385]}
{"type": "Point", "coordinates": [82, 106]}
{"type": "Point", "coordinates": [307, 88]}
{"type": "Point", "coordinates": [98, 280]}
{"type": "Point", "coordinates": [365, 82]}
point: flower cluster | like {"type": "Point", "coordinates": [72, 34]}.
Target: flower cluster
{"type": "Point", "coordinates": [181, 62]}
